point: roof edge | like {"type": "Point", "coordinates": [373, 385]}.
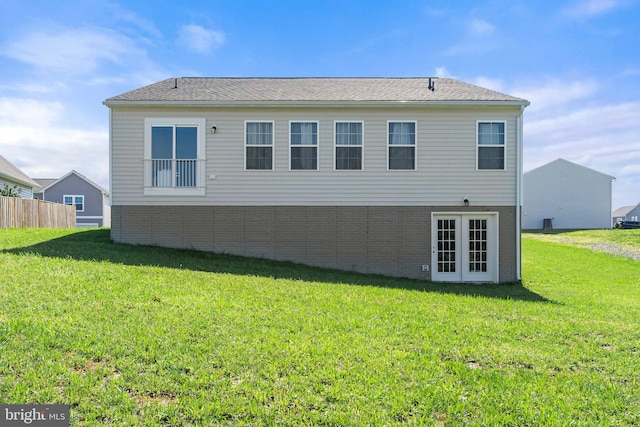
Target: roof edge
{"type": "Point", "coordinates": [117, 103]}
{"type": "Point", "coordinates": [31, 183]}
{"type": "Point", "coordinates": [613, 178]}
{"type": "Point", "coordinates": [79, 175]}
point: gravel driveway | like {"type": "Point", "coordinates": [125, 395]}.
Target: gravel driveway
{"type": "Point", "coordinates": [627, 251]}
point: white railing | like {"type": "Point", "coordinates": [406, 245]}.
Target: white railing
{"type": "Point", "coordinates": [172, 173]}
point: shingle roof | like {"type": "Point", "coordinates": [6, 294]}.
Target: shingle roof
{"type": "Point", "coordinates": [10, 172]}
{"type": "Point", "coordinates": [309, 90]}
{"type": "Point", "coordinates": [623, 211]}
{"type": "Point", "coordinates": [43, 182]}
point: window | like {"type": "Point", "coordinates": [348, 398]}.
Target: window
{"type": "Point", "coordinates": [174, 156]}
{"type": "Point", "coordinates": [348, 146]}
{"type": "Point", "coordinates": [402, 145]}
{"type": "Point", "coordinates": [304, 145]}
{"type": "Point", "coordinates": [491, 146]}
{"type": "Point", "coordinates": [259, 145]}
{"type": "Point", "coordinates": [73, 200]}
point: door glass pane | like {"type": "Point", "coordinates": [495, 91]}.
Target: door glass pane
{"type": "Point", "coordinates": [446, 245]}
{"type": "Point", "coordinates": [478, 246]}
{"type": "Point", "coordinates": [162, 142]}
{"type": "Point", "coordinates": [186, 155]}
{"type": "Point", "coordinates": [186, 143]}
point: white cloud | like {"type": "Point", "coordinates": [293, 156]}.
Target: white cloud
{"type": "Point", "coordinates": [603, 137]}
{"type": "Point", "coordinates": [589, 8]}
{"type": "Point", "coordinates": [489, 83]}
{"type": "Point", "coordinates": [442, 72]}
{"type": "Point", "coordinates": [476, 39]}
{"type": "Point", "coordinates": [568, 119]}
{"type": "Point", "coordinates": [630, 72]}
{"type": "Point", "coordinates": [198, 39]}
{"type": "Point", "coordinates": [631, 170]}
{"type": "Point", "coordinates": [28, 113]}
{"type": "Point", "coordinates": [555, 94]}
{"type": "Point", "coordinates": [435, 12]}
{"type": "Point", "coordinates": [70, 51]}
{"type": "Point", "coordinates": [35, 141]}
{"type": "Point", "coordinates": [127, 16]}
{"type": "Point", "coordinates": [479, 27]}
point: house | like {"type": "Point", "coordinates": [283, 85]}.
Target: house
{"type": "Point", "coordinates": [90, 199]}
{"type": "Point", "coordinates": [626, 213]}
{"type": "Point", "coordinates": [407, 177]}
{"type": "Point", "coordinates": [566, 196]}
{"type": "Point", "coordinates": [15, 179]}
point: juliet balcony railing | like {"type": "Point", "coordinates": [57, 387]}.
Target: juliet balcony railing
{"type": "Point", "coordinates": [172, 173]}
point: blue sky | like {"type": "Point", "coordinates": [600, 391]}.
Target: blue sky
{"type": "Point", "coordinates": [577, 61]}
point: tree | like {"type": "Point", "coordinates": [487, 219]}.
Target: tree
{"type": "Point", "coordinates": [10, 191]}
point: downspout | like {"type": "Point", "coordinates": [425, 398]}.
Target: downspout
{"type": "Point", "coordinates": [611, 219]}
{"type": "Point", "coordinates": [519, 163]}
{"type": "Point", "coordinates": [110, 160]}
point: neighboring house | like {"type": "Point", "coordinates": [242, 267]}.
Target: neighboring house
{"type": "Point", "coordinates": [15, 178]}
{"type": "Point", "coordinates": [90, 199]}
{"type": "Point", "coordinates": [409, 177]}
{"type": "Point", "coordinates": [565, 195]}
{"type": "Point", "coordinates": [626, 213]}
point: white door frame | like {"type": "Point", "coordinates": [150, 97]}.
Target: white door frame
{"type": "Point", "coordinates": [457, 252]}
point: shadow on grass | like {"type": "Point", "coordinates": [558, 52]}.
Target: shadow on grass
{"type": "Point", "coordinates": [96, 245]}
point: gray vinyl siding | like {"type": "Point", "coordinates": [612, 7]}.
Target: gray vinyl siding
{"type": "Point", "coordinates": [74, 185]}
{"type": "Point", "coordinates": [446, 159]}
{"type": "Point", "coordinates": [25, 192]}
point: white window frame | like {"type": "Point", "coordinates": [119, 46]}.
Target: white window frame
{"type": "Point", "coordinates": [73, 201]}
{"type": "Point", "coordinates": [504, 145]}
{"type": "Point", "coordinates": [273, 144]}
{"type": "Point", "coordinates": [414, 145]}
{"type": "Point", "coordinates": [200, 188]}
{"type": "Point", "coordinates": [316, 146]}
{"type": "Point", "coordinates": [335, 145]}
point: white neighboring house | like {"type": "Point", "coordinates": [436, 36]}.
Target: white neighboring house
{"type": "Point", "coordinates": [568, 196]}
{"type": "Point", "coordinates": [12, 176]}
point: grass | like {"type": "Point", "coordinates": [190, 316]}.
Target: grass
{"type": "Point", "coordinates": [150, 336]}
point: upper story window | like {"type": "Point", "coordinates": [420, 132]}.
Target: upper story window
{"type": "Point", "coordinates": [491, 146]}
{"type": "Point", "coordinates": [304, 145]}
{"type": "Point", "coordinates": [174, 156]}
{"type": "Point", "coordinates": [348, 144]}
{"type": "Point", "coordinates": [402, 145]}
{"type": "Point", "coordinates": [259, 145]}
{"type": "Point", "coordinates": [74, 200]}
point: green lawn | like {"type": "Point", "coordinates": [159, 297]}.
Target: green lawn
{"type": "Point", "coordinates": [148, 336]}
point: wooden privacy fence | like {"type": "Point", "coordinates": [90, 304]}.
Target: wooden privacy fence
{"type": "Point", "coordinates": [31, 213]}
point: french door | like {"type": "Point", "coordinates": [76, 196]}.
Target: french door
{"type": "Point", "coordinates": [464, 247]}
